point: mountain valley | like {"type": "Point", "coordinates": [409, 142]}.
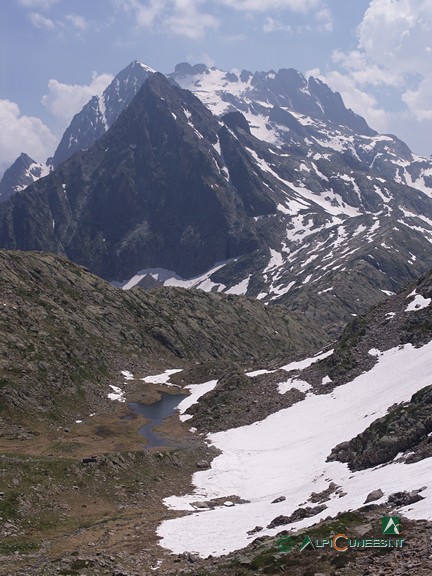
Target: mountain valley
{"type": "Point", "coordinates": [247, 243]}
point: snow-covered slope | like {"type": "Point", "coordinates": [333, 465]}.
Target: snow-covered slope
{"type": "Point", "coordinates": [285, 108]}
{"type": "Point", "coordinates": [285, 456]}
{"type": "Point", "coordinates": [23, 172]}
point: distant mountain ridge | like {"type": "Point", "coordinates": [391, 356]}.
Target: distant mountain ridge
{"type": "Point", "coordinates": [257, 91]}
{"type": "Point", "coordinates": [262, 184]}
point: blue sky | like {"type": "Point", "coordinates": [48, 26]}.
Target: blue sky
{"type": "Point", "coordinates": [54, 54]}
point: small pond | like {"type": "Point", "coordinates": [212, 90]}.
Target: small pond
{"type": "Point", "coordinates": [157, 413]}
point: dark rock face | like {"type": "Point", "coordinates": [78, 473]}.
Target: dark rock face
{"type": "Point", "coordinates": [101, 112]}
{"type": "Point", "coordinates": [186, 69]}
{"type": "Point", "coordinates": [374, 495]}
{"type": "Point", "coordinates": [151, 192]}
{"type": "Point", "coordinates": [236, 120]}
{"type": "Point", "coordinates": [405, 498]}
{"type": "Point", "coordinates": [23, 172]}
{"type": "Point", "coordinates": [297, 515]}
{"type": "Point", "coordinates": [402, 429]}
{"type": "Point", "coordinates": [334, 109]}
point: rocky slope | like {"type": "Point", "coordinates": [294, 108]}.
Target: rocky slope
{"type": "Point", "coordinates": [66, 336]}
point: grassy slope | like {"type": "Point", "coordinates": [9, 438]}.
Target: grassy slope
{"type": "Point", "coordinates": [67, 334]}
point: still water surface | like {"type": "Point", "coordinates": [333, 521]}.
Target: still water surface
{"type": "Point", "coordinates": [157, 413]}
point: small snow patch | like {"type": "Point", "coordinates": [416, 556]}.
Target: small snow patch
{"type": "Point", "coordinates": [258, 373]}
{"type": "Point", "coordinates": [161, 378]}
{"type": "Point", "coordinates": [306, 363]}
{"type": "Point", "coordinates": [197, 390]}
{"type": "Point", "coordinates": [291, 384]}
{"type": "Point", "coordinates": [117, 394]}
{"type": "Point", "coordinates": [240, 288]}
{"type": "Point", "coordinates": [418, 303]}
{"type": "Point", "coordinates": [374, 352]}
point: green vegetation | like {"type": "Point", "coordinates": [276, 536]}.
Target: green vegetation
{"type": "Point", "coordinates": [66, 334]}
{"type": "Point", "coordinates": [9, 506]}
{"type": "Point", "coordinates": [16, 546]}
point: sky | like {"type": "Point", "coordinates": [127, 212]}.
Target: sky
{"type": "Point", "coordinates": [56, 54]}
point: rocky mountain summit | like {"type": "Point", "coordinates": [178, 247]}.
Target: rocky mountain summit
{"type": "Point", "coordinates": [262, 184]}
{"type": "Point", "coordinates": [23, 172]}
{"type": "Point", "coordinates": [101, 112]}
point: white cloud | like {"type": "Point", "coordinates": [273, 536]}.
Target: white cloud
{"type": "Point", "coordinates": [180, 17]}
{"type": "Point", "coordinates": [41, 4]}
{"type": "Point", "coordinates": [41, 21]}
{"type": "Point", "coordinates": [192, 19]}
{"type": "Point", "coordinates": [187, 20]}
{"type": "Point", "coordinates": [325, 19]}
{"type": "Point", "coordinates": [396, 38]}
{"type": "Point", "coordinates": [70, 22]}
{"type": "Point", "coordinates": [364, 72]}
{"type": "Point", "coordinates": [395, 34]}
{"type": "Point", "coordinates": [419, 102]}
{"type": "Point", "coordinates": [271, 5]}
{"type": "Point", "coordinates": [145, 14]}
{"type": "Point", "coordinates": [77, 21]}
{"type": "Point", "coordinates": [392, 60]}
{"type": "Point", "coordinates": [65, 100]}
{"type": "Point", "coordinates": [20, 133]}
{"type": "Point", "coordinates": [274, 25]}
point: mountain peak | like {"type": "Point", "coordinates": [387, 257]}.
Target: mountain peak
{"type": "Point", "coordinates": [25, 159]}
{"type": "Point", "coordinates": [102, 111]}
{"type": "Point", "coordinates": [145, 67]}
{"type": "Point", "coordinates": [23, 172]}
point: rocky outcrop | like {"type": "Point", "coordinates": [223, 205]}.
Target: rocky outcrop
{"type": "Point", "coordinates": [297, 515]}
{"type": "Point", "coordinates": [404, 428]}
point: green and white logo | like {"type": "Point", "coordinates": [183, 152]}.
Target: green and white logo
{"type": "Point", "coordinates": [307, 543]}
{"type": "Point", "coordinates": [390, 525]}
{"type": "Point", "coordinates": [285, 544]}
